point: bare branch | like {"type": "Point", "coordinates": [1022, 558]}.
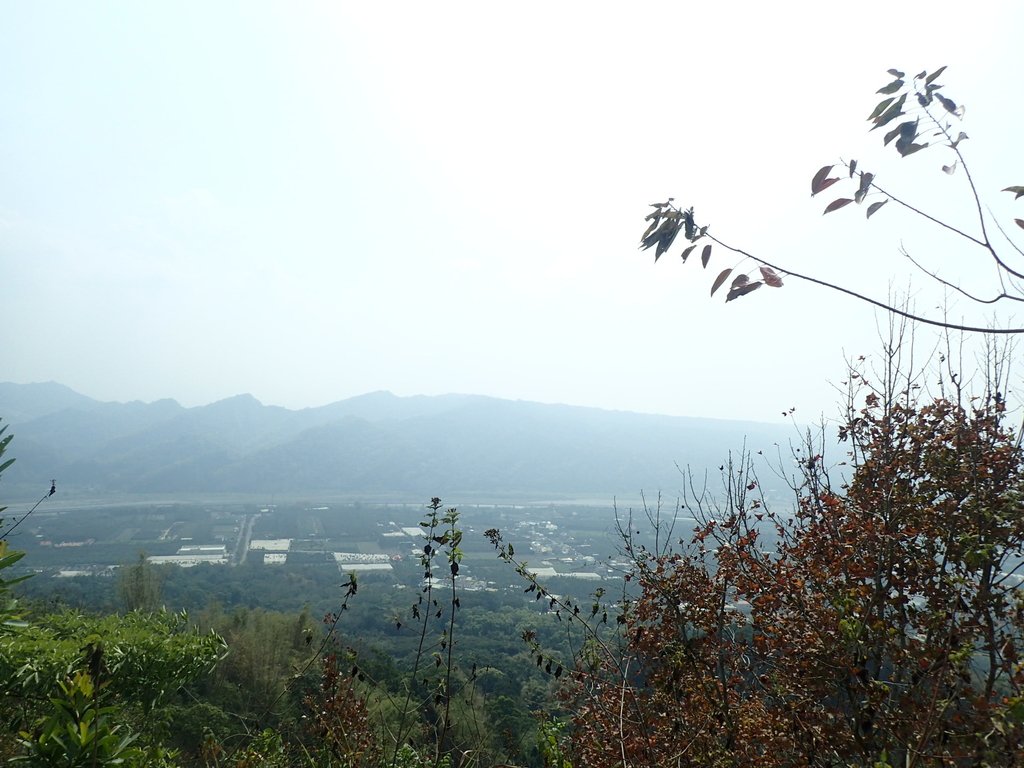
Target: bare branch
{"type": "Point", "coordinates": [867, 299]}
{"type": "Point", "coordinates": [1013, 245]}
{"type": "Point", "coordinates": [937, 278]}
{"type": "Point", "coordinates": [919, 212]}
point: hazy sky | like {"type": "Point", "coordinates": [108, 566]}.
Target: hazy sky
{"type": "Point", "coordinates": [311, 201]}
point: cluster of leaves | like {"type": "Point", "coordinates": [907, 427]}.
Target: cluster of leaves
{"type": "Point", "coordinates": [145, 655]}
{"type": "Point", "coordinates": [667, 221]}
{"type": "Point", "coordinates": [82, 689]}
{"type": "Point", "coordinates": [905, 137]}
{"type": "Point", "coordinates": [80, 730]}
{"type": "Point", "coordinates": [925, 91]}
{"type": "Point", "coordinates": [931, 119]}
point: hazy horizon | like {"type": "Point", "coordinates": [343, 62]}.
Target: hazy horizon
{"type": "Point", "coordinates": [309, 202]}
{"type": "Point", "coordinates": [376, 392]}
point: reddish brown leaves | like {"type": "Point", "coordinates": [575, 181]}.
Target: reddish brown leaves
{"type": "Point", "coordinates": [821, 180]}
{"type": "Point", "coordinates": [722, 277]}
{"type": "Point", "coordinates": [770, 278]}
{"type": "Point", "coordinates": [864, 187]}
{"type": "Point", "coordinates": [865, 613]}
{"type": "Point", "coordinates": [835, 205]}
{"type": "Point", "coordinates": [875, 206]}
{"type": "Point", "coordinates": [741, 286]}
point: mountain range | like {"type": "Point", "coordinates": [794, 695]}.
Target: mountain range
{"type": "Point", "coordinates": [374, 444]}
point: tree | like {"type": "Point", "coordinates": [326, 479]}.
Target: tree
{"type": "Point", "coordinates": [139, 585]}
{"type": "Point", "coordinates": [879, 624]}
{"type": "Point", "coordinates": [928, 115]}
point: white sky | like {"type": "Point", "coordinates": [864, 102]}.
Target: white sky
{"type": "Point", "coordinates": [312, 201]}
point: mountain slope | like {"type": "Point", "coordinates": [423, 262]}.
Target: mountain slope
{"type": "Point", "coordinates": [372, 444]}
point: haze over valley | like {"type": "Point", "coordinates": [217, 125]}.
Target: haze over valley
{"type": "Point", "coordinates": [375, 446]}
{"type": "Point", "coordinates": [317, 492]}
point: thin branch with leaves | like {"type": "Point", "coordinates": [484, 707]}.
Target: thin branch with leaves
{"type": "Point", "coordinates": [668, 220]}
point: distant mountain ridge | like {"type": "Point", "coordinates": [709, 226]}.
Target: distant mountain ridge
{"type": "Point", "coordinates": [377, 443]}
